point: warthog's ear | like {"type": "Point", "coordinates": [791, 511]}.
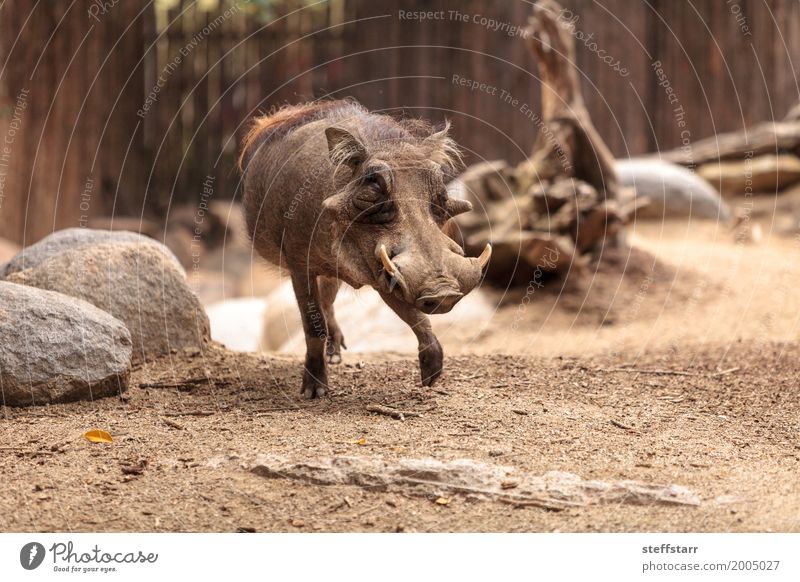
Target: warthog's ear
{"type": "Point", "coordinates": [344, 148]}
{"type": "Point", "coordinates": [443, 149]}
{"type": "Point", "coordinates": [454, 207]}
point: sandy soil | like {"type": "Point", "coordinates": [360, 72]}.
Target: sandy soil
{"type": "Point", "coordinates": [539, 387]}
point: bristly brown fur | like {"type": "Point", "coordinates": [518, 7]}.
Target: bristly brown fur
{"type": "Point", "coordinates": [283, 120]}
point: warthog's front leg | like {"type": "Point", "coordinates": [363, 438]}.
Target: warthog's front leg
{"type": "Point", "coordinates": [315, 375]}
{"type": "Point", "coordinates": [431, 356]}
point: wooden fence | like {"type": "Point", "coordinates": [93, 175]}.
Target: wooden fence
{"type": "Point", "coordinates": [714, 74]}
{"type": "Point", "coordinates": [655, 74]}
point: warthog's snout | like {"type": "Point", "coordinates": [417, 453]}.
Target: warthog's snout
{"type": "Point", "coordinates": [432, 285]}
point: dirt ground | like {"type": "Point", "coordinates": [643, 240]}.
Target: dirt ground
{"type": "Point", "coordinates": [674, 363]}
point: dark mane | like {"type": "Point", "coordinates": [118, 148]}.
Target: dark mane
{"type": "Point", "coordinates": [283, 120]}
{"type": "Point", "coordinates": [377, 128]}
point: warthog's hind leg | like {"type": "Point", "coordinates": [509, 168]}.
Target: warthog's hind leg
{"type": "Point", "coordinates": [328, 287]}
{"type": "Point", "coordinates": [315, 375]}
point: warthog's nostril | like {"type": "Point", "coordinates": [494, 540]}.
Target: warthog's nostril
{"type": "Point", "coordinates": [439, 302]}
{"type": "Point", "coordinates": [428, 304]}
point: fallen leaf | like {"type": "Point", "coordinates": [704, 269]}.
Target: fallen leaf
{"type": "Point", "coordinates": [443, 500]}
{"type": "Point", "coordinates": [97, 435]}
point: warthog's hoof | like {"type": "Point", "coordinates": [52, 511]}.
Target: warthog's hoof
{"type": "Point", "coordinates": [314, 385]}
{"type": "Point", "coordinates": [333, 348]}
{"type": "Point", "coordinates": [313, 390]}
{"type": "Point", "coordinates": [431, 360]}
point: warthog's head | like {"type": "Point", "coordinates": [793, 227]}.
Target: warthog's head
{"type": "Point", "coordinates": [389, 212]}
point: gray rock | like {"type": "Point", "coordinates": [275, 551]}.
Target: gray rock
{"type": "Point", "coordinates": [75, 238]}
{"type": "Point", "coordinates": [432, 478]}
{"type": "Point", "coordinates": [135, 283]}
{"type": "Point", "coordinates": [55, 348]}
{"type": "Point", "coordinates": [673, 191]}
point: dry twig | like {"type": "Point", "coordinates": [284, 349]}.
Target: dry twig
{"type": "Point", "coordinates": [645, 371]}
{"type": "Point", "coordinates": [191, 413]}
{"type": "Point", "coordinates": [172, 423]}
{"type": "Point", "coordinates": [393, 412]}
{"type": "Point", "coordinates": [621, 425]}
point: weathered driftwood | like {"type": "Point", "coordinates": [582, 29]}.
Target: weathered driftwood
{"type": "Point", "coordinates": [765, 174]}
{"type": "Point", "coordinates": [568, 146]}
{"type": "Point", "coordinates": [559, 204]}
{"type": "Point", "coordinates": [765, 138]}
{"type": "Point", "coordinates": [761, 159]}
{"type": "Point", "coordinates": [431, 478]}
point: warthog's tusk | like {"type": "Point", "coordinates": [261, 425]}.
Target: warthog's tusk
{"type": "Point", "coordinates": [388, 265]}
{"type": "Point", "coordinates": [485, 255]}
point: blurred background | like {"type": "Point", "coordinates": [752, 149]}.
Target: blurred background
{"type": "Point", "coordinates": [128, 108]}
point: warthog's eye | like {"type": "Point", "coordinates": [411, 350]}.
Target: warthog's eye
{"type": "Point", "coordinates": [375, 181]}
{"type": "Point", "coordinates": [373, 202]}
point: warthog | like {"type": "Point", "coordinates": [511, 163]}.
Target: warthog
{"type": "Point", "coordinates": [335, 193]}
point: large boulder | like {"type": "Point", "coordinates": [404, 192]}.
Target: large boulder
{"type": "Point", "coordinates": [237, 323]}
{"type": "Point", "coordinates": [55, 348]}
{"type": "Point", "coordinates": [764, 174]}
{"type": "Point", "coordinates": [138, 284]}
{"type": "Point", "coordinates": [671, 191]}
{"type": "Point", "coordinates": [71, 239]}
